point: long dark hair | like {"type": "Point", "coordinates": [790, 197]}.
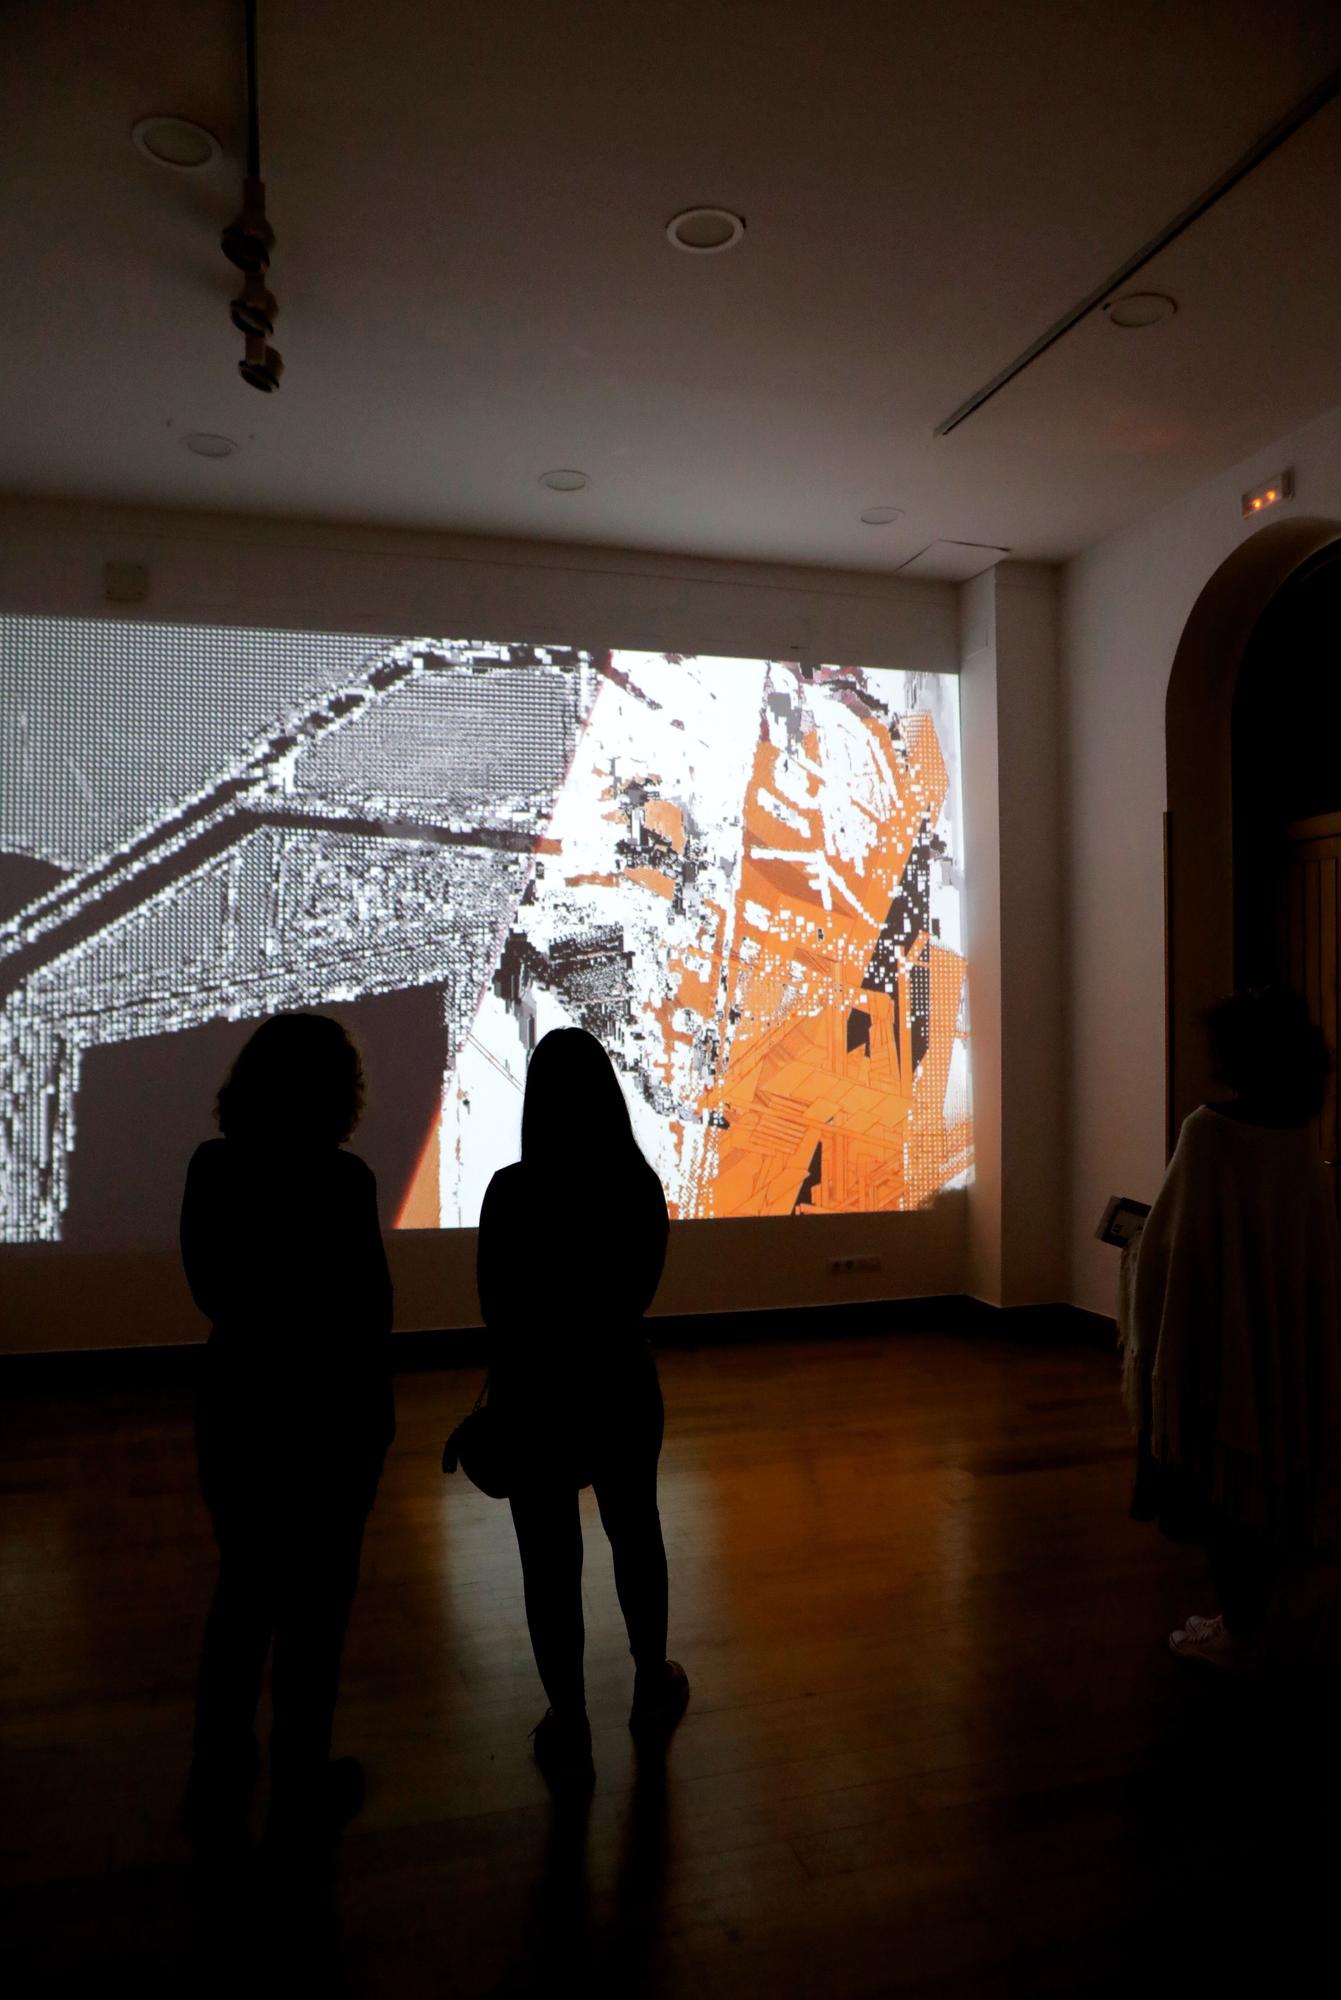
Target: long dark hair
{"type": "Point", "coordinates": [574, 1103]}
{"type": "Point", "coordinates": [297, 1081]}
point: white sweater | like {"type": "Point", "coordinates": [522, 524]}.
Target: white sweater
{"type": "Point", "coordinates": [1232, 1333]}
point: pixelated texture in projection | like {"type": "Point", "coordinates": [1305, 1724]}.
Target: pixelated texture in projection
{"type": "Point", "coordinates": [742, 875]}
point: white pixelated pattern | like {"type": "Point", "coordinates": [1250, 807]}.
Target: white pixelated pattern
{"type": "Point", "coordinates": [297, 875]}
{"type": "Point", "coordinates": [104, 723]}
{"type": "Point", "coordinates": [199, 824]}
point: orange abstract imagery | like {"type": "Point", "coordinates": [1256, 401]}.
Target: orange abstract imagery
{"type": "Point", "coordinates": [834, 1022]}
{"type": "Point", "coordinates": [744, 876]}
{"type": "Point", "coordinates": [750, 888]}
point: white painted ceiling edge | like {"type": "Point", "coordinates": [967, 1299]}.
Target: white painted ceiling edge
{"type": "Point", "coordinates": [314, 576]}
{"type": "Point", "coordinates": [476, 287]}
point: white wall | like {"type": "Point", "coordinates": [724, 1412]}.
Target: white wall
{"type": "Point", "coordinates": [208, 568]}
{"type": "Point", "coordinates": [285, 574]}
{"type": "Point", "coordinates": [982, 920]}
{"type": "Point", "coordinates": [1009, 688]}
{"type": "Point", "coordinates": [1124, 605]}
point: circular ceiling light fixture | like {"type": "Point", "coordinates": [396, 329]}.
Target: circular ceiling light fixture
{"type": "Point", "coordinates": [565, 479]}
{"type": "Point", "coordinates": [705, 231]}
{"type": "Point", "coordinates": [209, 444]}
{"type": "Point", "coordinates": [1135, 309]}
{"type": "Point", "coordinates": [880, 517]}
{"type": "Point", "coordinates": [175, 142]}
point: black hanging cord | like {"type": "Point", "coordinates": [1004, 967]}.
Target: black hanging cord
{"type": "Point", "coordinates": [249, 239]}
{"type": "Point", "coordinates": [253, 94]}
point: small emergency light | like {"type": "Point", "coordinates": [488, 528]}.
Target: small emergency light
{"type": "Point", "coordinates": [1268, 495]}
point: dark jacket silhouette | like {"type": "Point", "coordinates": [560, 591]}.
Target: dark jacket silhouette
{"type": "Point", "coordinates": [563, 1288]}
{"type": "Point", "coordinates": [283, 1253]}
{"type": "Point", "coordinates": [571, 1247]}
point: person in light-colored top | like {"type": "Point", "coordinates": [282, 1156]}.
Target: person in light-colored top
{"type": "Point", "coordinates": [1232, 1327]}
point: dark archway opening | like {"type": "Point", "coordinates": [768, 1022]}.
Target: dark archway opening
{"type": "Point", "coordinates": [1286, 751]}
{"type": "Point", "coordinates": [1239, 773]}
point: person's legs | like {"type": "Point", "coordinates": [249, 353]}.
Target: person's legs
{"type": "Point", "coordinates": [549, 1540]}
{"type": "Point", "coordinates": [626, 1492]}
{"type": "Point", "coordinates": [321, 1552]}
{"type": "Point", "coordinates": [1243, 1570]}
{"type": "Point", "coordinates": [232, 1665]}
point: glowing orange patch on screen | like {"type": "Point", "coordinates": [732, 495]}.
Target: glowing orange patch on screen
{"type": "Point", "coordinates": [749, 884]}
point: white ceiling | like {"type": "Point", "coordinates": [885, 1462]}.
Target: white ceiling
{"type": "Point", "coordinates": [475, 284]}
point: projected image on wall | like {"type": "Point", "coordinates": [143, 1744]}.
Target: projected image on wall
{"type": "Point", "coordinates": [742, 875]}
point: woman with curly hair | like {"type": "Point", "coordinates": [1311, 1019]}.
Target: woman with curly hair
{"type": "Point", "coordinates": [283, 1254]}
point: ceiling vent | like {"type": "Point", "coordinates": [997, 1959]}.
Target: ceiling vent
{"type": "Point", "coordinates": [952, 562]}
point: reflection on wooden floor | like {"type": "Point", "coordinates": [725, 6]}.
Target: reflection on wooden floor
{"type": "Point", "coordinates": [936, 1745]}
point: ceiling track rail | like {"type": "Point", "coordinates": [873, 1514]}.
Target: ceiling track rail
{"type": "Point", "coordinates": [1261, 149]}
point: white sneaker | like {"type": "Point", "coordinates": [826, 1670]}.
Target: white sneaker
{"type": "Point", "coordinates": [1209, 1641]}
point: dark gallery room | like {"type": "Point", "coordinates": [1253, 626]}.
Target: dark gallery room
{"type": "Point", "coordinates": [657, 900]}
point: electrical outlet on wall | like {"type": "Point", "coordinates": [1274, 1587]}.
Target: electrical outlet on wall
{"type": "Point", "coordinates": [843, 1267]}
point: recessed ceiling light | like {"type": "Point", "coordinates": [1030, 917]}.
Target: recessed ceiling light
{"type": "Point", "coordinates": [208, 444]}
{"type": "Point", "coordinates": [704, 231]}
{"type": "Point", "coordinates": [880, 517]}
{"type": "Point", "coordinates": [176, 143]}
{"type": "Point", "coordinates": [565, 479]}
{"type": "Point", "coordinates": [1135, 309]}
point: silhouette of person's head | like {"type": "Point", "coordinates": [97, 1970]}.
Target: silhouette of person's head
{"type": "Point", "coordinates": [1268, 1051]}
{"type": "Point", "coordinates": [573, 1102]}
{"type": "Point", "coordinates": [297, 1082]}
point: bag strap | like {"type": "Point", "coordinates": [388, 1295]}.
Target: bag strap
{"type": "Point", "coordinates": [451, 1456]}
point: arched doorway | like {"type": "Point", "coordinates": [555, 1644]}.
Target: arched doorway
{"type": "Point", "coordinates": [1286, 733]}
{"type": "Point", "coordinates": [1216, 896]}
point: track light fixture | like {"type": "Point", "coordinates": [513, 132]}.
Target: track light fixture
{"type": "Point", "coordinates": [254, 311]}
{"type": "Point", "coordinates": [248, 239]}
{"type": "Point", "coordinates": [247, 242]}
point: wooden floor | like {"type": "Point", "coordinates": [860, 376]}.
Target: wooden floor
{"type": "Point", "coordinates": [936, 1746]}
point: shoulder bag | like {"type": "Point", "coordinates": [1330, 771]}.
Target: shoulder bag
{"type": "Point", "coordinates": [479, 1446]}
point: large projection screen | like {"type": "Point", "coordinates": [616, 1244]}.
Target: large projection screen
{"type": "Point", "coordinates": [744, 875]}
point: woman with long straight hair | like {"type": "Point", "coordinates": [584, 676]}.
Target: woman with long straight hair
{"type": "Point", "coordinates": [284, 1256]}
{"type": "Point", "coordinates": [571, 1247]}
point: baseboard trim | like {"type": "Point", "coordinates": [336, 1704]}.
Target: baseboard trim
{"type": "Point", "coordinates": [1067, 1325]}
{"type": "Point", "coordinates": [93, 1369]}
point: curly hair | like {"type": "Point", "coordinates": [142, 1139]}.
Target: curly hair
{"type": "Point", "coordinates": [300, 1076]}
{"type": "Point", "coordinates": [1266, 1048]}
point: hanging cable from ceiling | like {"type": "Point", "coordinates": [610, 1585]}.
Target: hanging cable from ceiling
{"type": "Point", "coordinates": [248, 240]}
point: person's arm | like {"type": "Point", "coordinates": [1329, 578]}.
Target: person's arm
{"type": "Point", "coordinates": [658, 1237]}
{"type": "Point", "coordinates": [377, 1300]}
{"type": "Point", "coordinates": [641, 1257]}
{"type": "Point", "coordinates": [496, 1254]}
{"type": "Point", "coordinates": [1144, 1275]}
{"type": "Point", "coordinates": [200, 1231]}
{"type": "Point", "coordinates": [1175, 1289]}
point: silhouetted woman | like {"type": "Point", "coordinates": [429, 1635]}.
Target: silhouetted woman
{"type": "Point", "coordinates": [1232, 1371]}
{"type": "Point", "coordinates": [283, 1253]}
{"type": "Point", "coordinates": [572, 1242]}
